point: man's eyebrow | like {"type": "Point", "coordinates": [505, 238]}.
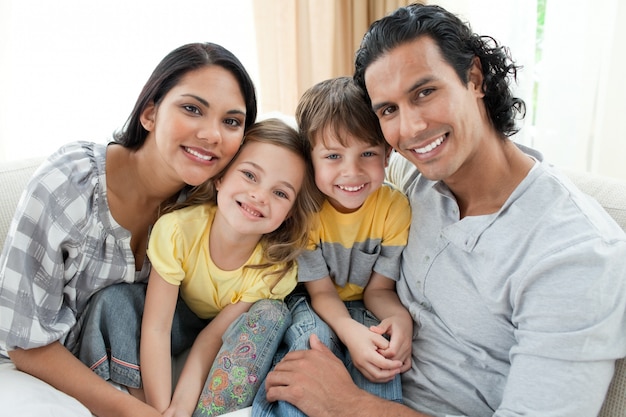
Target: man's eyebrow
{"type": "Point", "coordinates": [419, 83]}
{"type": "Point", "coordinates": [206, 104]}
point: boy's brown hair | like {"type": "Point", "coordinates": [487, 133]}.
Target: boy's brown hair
{"type": "Point", "coordinates": [340, 105]}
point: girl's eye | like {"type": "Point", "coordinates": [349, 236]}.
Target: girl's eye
{"type": "Point", "coordinates": [281, 194]}
{"type": "Point", "coordinates": [191, 109]}
{"type": "Point", "coordinates": [249, 175]}
{"type": "Point", "coordinates": [232, 122]}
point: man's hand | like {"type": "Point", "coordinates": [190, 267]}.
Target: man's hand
{"type": "Point", "coordinates": [314, 380]}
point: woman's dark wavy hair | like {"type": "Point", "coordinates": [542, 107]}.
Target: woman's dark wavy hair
{"type": "Point", "coordinates": [458, 46]}
{"type": "Point", "coordinates": [168, 74]}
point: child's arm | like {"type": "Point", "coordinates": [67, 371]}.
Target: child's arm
{"type": "Point", "coordinates": [381, 299]}
{"type": "Point", "coordinates": [155, 345]}
{"type": "Point", "coordinates": [362, 343]}
{"type": "Point", "coordinates": [201, 357]}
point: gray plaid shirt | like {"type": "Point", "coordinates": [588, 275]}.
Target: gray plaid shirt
{"type": "Point", "coordinates": [62, 247]}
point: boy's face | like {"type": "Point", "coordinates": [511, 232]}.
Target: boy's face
{"type": "Point", "coordinates": [347, 175]}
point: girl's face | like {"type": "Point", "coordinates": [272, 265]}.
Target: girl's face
{"type": "Point", "coordinates": [259, 189]}
{"type": "Point", "coordinates": [198, 125]}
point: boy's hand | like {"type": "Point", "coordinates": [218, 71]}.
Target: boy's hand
{"type": "Point", "coordinates": [400, 332]}
{"type": "Point", "coordinates": [365, 347]}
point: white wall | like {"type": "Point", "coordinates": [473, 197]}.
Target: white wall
{"type": "Point", "coordinates": [72, 69]}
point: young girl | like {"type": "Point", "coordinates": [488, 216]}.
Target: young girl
{"type": "Point", "coordinates": [225, 250]}
{"type": "Point", "coordinates": [82, 225]}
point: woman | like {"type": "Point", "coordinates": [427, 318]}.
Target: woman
{"type": "Point", "coordinates": [84, 220]}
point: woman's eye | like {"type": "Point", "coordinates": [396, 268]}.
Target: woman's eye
{"type": "Point", "coordinates": [232, 122]}
{"type": "Point", "coordinates": [192, 109]}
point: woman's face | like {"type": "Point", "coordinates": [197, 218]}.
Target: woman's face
{"type": "Point", "coordinates": [198, 126]}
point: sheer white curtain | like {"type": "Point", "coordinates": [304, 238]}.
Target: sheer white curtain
{"type": "Point", "coordinates": [72, 69]}
{"type": "Point", "coordinates": [576, 116]}
{"type": "Point", "coordinates": [580, 107]}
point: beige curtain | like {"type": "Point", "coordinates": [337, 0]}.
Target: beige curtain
{"type": "Point", "coordinates": [302, 42]}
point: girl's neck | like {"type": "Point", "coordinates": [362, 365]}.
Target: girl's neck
{"type": "Point", "coordinates": [229, 249]}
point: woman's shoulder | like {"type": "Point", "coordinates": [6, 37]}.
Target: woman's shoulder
{"type": "Point", "coordinates": [74, 160]}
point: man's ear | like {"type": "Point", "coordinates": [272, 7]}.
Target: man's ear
{"type": "Point", "coordinates": [475, 77]}
{"type": "Point", "coordinates": [148, 117]}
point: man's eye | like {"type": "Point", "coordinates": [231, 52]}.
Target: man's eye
{"type": "Point", "coordinates": [426, 92]}
{"type": "Point", "coordinates": [388, 110]}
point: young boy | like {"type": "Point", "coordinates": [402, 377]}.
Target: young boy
{"type": "Point", "coordinates": [353, 259]}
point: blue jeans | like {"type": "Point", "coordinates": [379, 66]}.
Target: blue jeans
{"type": "Point", "coordinates": [306, 322]}
{"type": "Point", "coordinates": [112, 330]}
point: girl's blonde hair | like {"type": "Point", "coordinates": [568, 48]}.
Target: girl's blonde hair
{"type": "Point", "coordinates": [283, 245]}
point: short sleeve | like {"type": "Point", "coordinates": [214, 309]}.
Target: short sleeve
{"type": "Point", "coordinates": [165, 249]}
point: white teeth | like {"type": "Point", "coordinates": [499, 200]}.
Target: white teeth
{"type": "Point", "coordinates": [249, 210]}
{"type": "Point", "coordinates": [431, 145]}
{"type": "Point", "coordinates": [199, 155]}
{"type": "Point", "coordinates": [352, 189]}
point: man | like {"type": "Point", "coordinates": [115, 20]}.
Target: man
{"type": "Point", "coordinates": [515, 280]}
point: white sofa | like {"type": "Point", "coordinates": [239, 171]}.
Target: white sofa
{"type": "Point", "coordinates": [611, 194]}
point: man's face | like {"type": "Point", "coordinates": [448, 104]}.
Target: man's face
{"type": "Point", "coordinates": [424, 109]}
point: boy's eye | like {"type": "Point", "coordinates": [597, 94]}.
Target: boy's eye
{"type": "Point", "coordinates": [368, 154]}
{"type": "Point", "coordinates": [332, 156]}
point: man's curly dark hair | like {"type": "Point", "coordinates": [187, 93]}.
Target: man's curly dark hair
{"type": "Point", "coordinates": [458, 45]}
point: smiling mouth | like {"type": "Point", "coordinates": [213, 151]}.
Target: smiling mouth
{"type": "Point", "coordinates": [198, 154]}
{"type": "Point", "coordinates": [351, 189]}
{"type": "Point", "coordinates": [250, 210]}
{"type": "Point", "coordinates": [432, 145]}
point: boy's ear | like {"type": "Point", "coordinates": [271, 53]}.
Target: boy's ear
{"type": "Point", "coordinates": [148, 117]}
{"type": "Point", "coordinates": [388, 155]}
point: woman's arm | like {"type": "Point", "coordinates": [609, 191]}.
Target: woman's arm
{"type": "Point", "coordinates": [55, 365]}
{"type": "Point", "coordinates": [201, 357]}
{"type": "Point", "coordinates": [155, 346]}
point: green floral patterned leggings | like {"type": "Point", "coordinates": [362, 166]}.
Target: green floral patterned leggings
{"type": "Point", "coordinates": [245, 358]}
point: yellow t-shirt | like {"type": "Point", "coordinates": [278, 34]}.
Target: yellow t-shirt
{"type": "Point", "coordinates": [179, 252]}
